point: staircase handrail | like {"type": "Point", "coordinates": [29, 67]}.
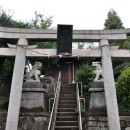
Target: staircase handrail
{"type": "Point", "coordinates": [79, 108]}
{"type": "Point", "coordinates": [81, 88]}
{"type": "Point", "coordinates": [52, 120]}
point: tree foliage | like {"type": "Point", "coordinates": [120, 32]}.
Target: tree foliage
{"type": "Point", "coordinates": [123, 90]}
{"type": "Point", "coordinates": [126, 44]}
{"type": "Point", "coordinates": [8, 65]}
{"type": "Point", "coordinates": [120, 68]}
{"type": "Point", "coordinates": [84, 74]}
{"type": "Point", "coordinates": [6, 20]}
{"type": "Point", "coordinates": [113, 21]}
{"type": "Point", "coordinates": [41, 22]}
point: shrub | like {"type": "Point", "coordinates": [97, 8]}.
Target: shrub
{"type": "Point", "coordinates": [84, 74]}
{"type": "Point", "coordinates": [120, 68]}
{"type": "Point", "coordinates": [3, 104]}
{"type": "Point", "coordinates": [8, 67]}
{"type": "Point", "coordinates": [123, 90]}
{"type": "Point", "coordinates": [3, 100]}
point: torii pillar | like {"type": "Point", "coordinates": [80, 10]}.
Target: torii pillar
{"type": "Point", "coordinates": [16, 86]}
{"type": "Point", "coordinates": [109, 85]}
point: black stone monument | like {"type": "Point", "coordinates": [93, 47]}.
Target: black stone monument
{"type": "Point", "coordinates": [64, 39]}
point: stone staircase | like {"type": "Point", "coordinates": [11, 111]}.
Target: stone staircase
{"type": "Point", "coordinates": [67, 117]}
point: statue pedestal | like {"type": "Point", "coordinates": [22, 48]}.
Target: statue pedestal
{"type": "Point", "coordinates": [97, 112]}
{"type": "Point", "coordinates": [97, 101]}
{"type": "Point", "coordinates": [32, 97]}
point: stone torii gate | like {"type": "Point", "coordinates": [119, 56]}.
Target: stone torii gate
{"type": "Point", "coordinates": [22, 50]}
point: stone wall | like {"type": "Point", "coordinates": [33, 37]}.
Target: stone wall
{"type": "Point", "coordinates": [28, 121]}
{"type": "Point", "coordinates": [96, 123]}
{"type": "Point", "coordinates": [101, 123]}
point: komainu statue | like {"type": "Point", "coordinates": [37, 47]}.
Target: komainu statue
{"type": "Point", "coordinates": [97, 69]}
{"type": "Point", "coordinates": [34, 73]}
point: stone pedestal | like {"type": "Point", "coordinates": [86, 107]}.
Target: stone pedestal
{"type": "Point", "coordinates": [97, 101]}
{"type": "Point", "coordinates": [97, 107]}
{"type": "Point", "coordinates": [32, 97]}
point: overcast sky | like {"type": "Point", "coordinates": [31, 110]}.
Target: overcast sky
{"type": "Point", "coordinates": [82, 14]}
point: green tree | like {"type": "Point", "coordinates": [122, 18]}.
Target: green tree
{"type": "Point", "coordinates": [84, 74]}
{"type": "Point", "coordinates": [8, 65]}
{"type": "Point", "coordinates": [120, 68]}
{"type": "Point", "coordinates": [6, 20]}
{"type": "Point", "coordinates": [126, 44]}
{"type": "Point", "coordinates": [41, 22]}
{"type": "Point", "coordinates": [113, 21]}
{"type": "Point", "coordinates": [123, 90]}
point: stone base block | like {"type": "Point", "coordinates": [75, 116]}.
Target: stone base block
{"type": "Point", "coordinates": [97, 101]}
{"type": "Point", "coordinates": [32, 97]}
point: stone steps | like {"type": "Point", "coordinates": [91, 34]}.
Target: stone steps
{"type": "Point", "coordinates": [67, 105]}
{"type": "Point", "coordinates": [67, 95]}
{"type": "Point", "coordinates": [66, 113]}
{"type": "Point", "coordinates": [67, 92]}
{"type": "Point", "coordinates": [66, 109]}
{"type": "Point", "coordinates": [63, 101]}
{"type": "Point", "coordinates": [67, 98]}
{"type": "Point", "coordinates": [67, 117]}
{"type": "Point", "coordinates": [67, 123]}
{"type": "Point", "coordinates": [66, 128]}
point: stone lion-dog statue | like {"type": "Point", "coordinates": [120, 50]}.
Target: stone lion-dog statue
{"type": "Point", "coordinates": [34, 73]}
{"type": "Point", "coordinates": [97, 69]}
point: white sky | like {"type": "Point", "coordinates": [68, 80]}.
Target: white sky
{"type": "Point", "coordinates": [82, 14]}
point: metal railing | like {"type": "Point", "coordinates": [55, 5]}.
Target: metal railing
{"type": "Point", "coordinates": [81, 88]}
{"type": "Point", "coordinates": [50, 99]}
{"type": "Point", "coordinates": [79, 108]}
{"type": "Point", "coordinates": [52, 120]}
